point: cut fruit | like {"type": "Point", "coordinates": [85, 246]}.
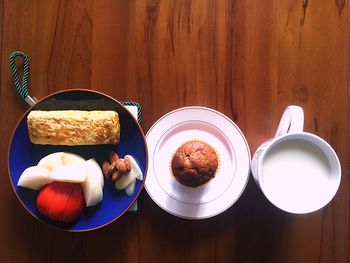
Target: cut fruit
{"type": "Point", "coordinates": [61, 201]}
{"type": "Point", "coordinates": [92, 186]}
{"type": "Point", "coordinates": [129, 190]}
{"type": "Point", "coordinates": [52, 161]}
{"type": "Point", "coordinates": [34, 177]}
{"type": "Point", "coordinates": [94, 170]}
{"type": "Point", "coordinates": [93, 193]}
{"type": "Point", "coordinates": [135, 168]}
{"type": "Point", "coordinates": [71, 173]}
{"type": "Point", "coordinates": [128, 181]}
{"type": "Point", "coordinates": [72, 158]}
{"type": "Point", "coordinates": [124, 181]}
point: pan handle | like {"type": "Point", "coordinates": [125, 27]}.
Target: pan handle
{"type": "Point", "coordinates": [22, 89]}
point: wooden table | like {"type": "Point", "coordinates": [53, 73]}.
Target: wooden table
{"type": "Point", "coordinates": [247, 59]}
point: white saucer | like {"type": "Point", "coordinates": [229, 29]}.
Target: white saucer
{"type": "Point", "coordinates": [214, 128]}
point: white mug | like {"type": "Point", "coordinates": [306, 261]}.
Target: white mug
{"type": "Point", "coordinates": [297, 171]}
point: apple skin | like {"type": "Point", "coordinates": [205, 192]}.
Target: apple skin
{"type": "Point", "coordinates": [61, 201]}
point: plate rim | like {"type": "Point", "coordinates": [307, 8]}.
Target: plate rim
{"type": "Point", "coordinates": [20, 119]}
{"type": "Point", "coordinates": [247, 176]}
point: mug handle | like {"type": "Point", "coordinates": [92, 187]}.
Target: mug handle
{"type": "Point", "coordinates": [292, 121]}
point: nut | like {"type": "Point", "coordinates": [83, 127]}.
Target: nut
{"type": "Point", "coordinates": [116, 175]}
{"type": "Point", "coordinates": [120, 164]}
{"type": "Point", "coordinates": [116, 167]}
{"type": "Point", "coordinates": [112, 168]}
{"type": "Point", "coordinates": [113, 157]}
{"type": "Point", "coordinates": [105, 168]}
{"type": "Point", "coordinates": [127, 164]}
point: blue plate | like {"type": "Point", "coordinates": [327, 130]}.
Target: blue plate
{"type": "Point", "coordinates": [23, 154]}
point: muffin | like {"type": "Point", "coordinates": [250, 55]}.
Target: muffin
{"type": "Point", "coordinates": [194, 163]}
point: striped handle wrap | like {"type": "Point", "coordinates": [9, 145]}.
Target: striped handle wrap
{"type": "Point", "coordinates": [139, 109]}
{"type": "Point", "coordinates": [22, 89]}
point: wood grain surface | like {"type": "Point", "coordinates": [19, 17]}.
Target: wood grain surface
{"type": "Point", "coordinates": [248, 59]}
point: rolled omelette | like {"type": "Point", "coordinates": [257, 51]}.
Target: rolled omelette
{"type": "Point", "coordinates": [73, 127]}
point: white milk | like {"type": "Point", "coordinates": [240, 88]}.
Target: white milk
{"type": "Point", "coordinates": [296, 174]}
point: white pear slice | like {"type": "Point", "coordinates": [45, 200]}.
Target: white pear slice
{"type": "Point", "coordinates": [129, 190]}
{"type": "Point", "coordinates": [135, 168]}
{"type": "Point", "coordinates": [34, 177]}
{"type": "Point", "coordinates": [93, 194]}
{"type": "Point", "coordinates": [94, 181]}
{"type": "Point", "coordinates": [72, 158]}
{"type": "Point", "coordinates": [72, 173]}
{"type": "Point", "coordinates": [94, 170]}
{"type": "Point", "coordinates": [52, 161]}
{"type": "Point", "coordinates": [128, 181]}
{"type": "Point", "coordinates": [124, 181]}
{"type": "Point", "coordinates": [92, 190]}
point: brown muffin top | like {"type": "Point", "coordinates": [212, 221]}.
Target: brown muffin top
{"type": "Point", "coordinates": [194, 163]}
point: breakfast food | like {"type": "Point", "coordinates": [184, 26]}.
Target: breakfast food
{"type": "Point", "coordinates": [67, 182]}
{"type": "Point", "coordinates": [73, 127]}
{"type": "Point", "coordinates": [70, 173]}
{"type": "Point", "coordinates": [116, 167]}
{"type": "Point", "coordinates": [194, 163]}
{"type": "Point", "coordinates": [128, 181]}
{"type": "Point", "coordinates": [124, 172]}
{"type": "Point", "coordinates": [35, 177]}
{"type": "Point", "coordinates": [93, 183]}
{"type": "Point", "coordinates": [60, 201]}
{"type": "Point", "coordinates": [68, 168]}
